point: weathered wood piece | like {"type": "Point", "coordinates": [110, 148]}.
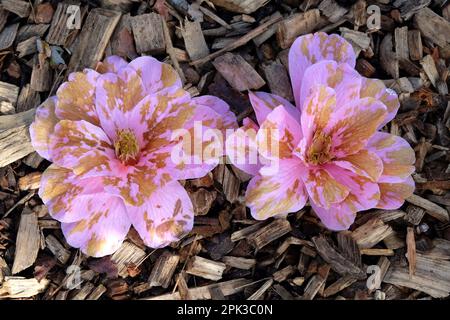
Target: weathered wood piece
{"type": "Point", "coordinates": [59, 33]}
{"type": "Point", "coordinates": [258, 294]}
{"type": "Point", "coordinates": [228, 288]}
{"type": "Point", "coordinates": [432, 26]}
{"type": "Point", "coordinates": [163, 269]}
{"type": "Point", "coordinates": [273, 231]}
{"type": "Point", "coordinates": [148, 33]}
{"type": "Point", "coordinates": [339, 285]}
{"type": "Point", "coordinates": [58, 250]}
{"type": "Point", "coordinates": [22, 8]}
{"type": "Point", "coordinates": [332, 10]}
{"type": "Point", "coordinates": [41, 76]}
{"type": "Point", "coordinates": [278, 80]}
{"type": "Point", "coordinates": [238, 72]}
{"type": "Point", "coordinates": [415, 45]}
{"type": "Point", "coordinates": [30, 181]}
{"type": "Point", "coordinates": [239, 262]}
{"type": "Point", "coordinates": [371, 233]}
{"type": "Point", "coordinates": [27, 242]}
{"type": "Point", "coordinates": [7, 36]}
{"type": "Point", "coordinates": [31, 30]}
{"type": "Point", "coordinates": [230, 183]}
{"type": "Point", "coordinates": [128, 253]}
{"type": "Point", "coordinates": [27, 47]}
{"type": "Point", "coordinates": [431, 208]}
{"type": "Point", "coordinates": [205, 268]}
{"type": "Point", "coordinates": [194, 40]}
{"type": "Point", "coordinates": [240, 6]}
{"type": "Point", "coordinates": [28, 99]}
{"type": "Point", "coordinates": [97, 292]}
{"type": "Point", "coordinates": [401, 43]}
{"type": "Point", "coordinates": [388, 58]}
{"type": "Point", "coordinates": [298, 24]}
{"type": "Point", "coordinates": [263, 37]}
{"type": "Point", "coordinates": [20, 287]}
{"type": "Point", "coordinates": [313, 287]}
{"type": "Point", "coordinates": [9, 92]}
{"type": "Point", "coordinates": [93, 39]}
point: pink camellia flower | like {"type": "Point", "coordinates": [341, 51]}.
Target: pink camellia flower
{"type": "Point", "coordinates": [330, 149]}
{"type": "Point", "coordinates": [108, 133]}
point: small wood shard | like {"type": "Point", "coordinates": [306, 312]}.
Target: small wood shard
{"type": "Point", "coordinates": [431, 208]}
{"type": "Point", "coordinates": [296, 25]}
{"type": "Point", "coordinates": [415, 45]}
{"type": "Point", "coordinates": [205, 268]}
{"type": "Point", "coordinates": [20, 287]}
{"type": "Point", "coordinates": [414, 214]}
{"type": "Point", "coordinates": [283, 274]}
{"type": "Point", "coordinates": [239, 262]}
{"type": "Point", "coordinates": [148, 33]}
{"type": "Point", "coordinates": [432, 26]}
{"type": "Point", "coordinates": [371, 233]}
{"type": "Point", "coordinates": [228, 288]}
{"type": "Point", "coordinates": [28, 241]}
{"type": "Point", "coordinates": [240, 6]}
{"type": "Point", "coordinates": [401, 43]}
{"type": "Point", "coordinates": [273, 231]}
{"type": "Point", "coordinates": [9, 93]}
{"type": "Point", "coordinates": [388, 58]}
{"type": "Point", "coordinates": [339, 285]}
{"type": "Point", "coordinates": [194, 40]}
{"type": "Point", "coordinates": [163, 270]}
{"type": "Point", "coordinates": [84, 292]}
{"type": "Point", "coordinates": [238, 73]}
{"type": "Point", "coordinates": [41, 76]}
{"type": "Point", "coordinates": [258, 294]}
{"type": "Point", "coordinates": [21, 8]}
{"type": "Point", "coordinates": [278, 80]}
{"type": "Point", "coordinates": [332, 10]}
{"type": "Point", "coordinates": [59, 33]}
{"type": "Point", "coordinates": [97, 293]}
{"type": "Point", "coordinates": [30, 181]}
{"type": "Point", "coordinates": [411, 253]}
{"type": "Point", "coordinates": [58, 250]}
{"type": "Point", "coordinates": [128, 253]}
{"type": "Point", "coordinates": [7, 36]}
{"type": "Point", "coordinates": [93, 38]}
{"type": "Point", "coordinates": [230, 183]}
{"type": "Point", "coordinates": [313, 287]}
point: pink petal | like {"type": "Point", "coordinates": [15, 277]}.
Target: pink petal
{"type": "Point", "coordinates": [111, 64]}
{"type": "Point", "coordinates": [335, 218]}
{"type": "Point", "coordinates": [345, 81]}
{"type": "Point", "coordinates": [264, 103]}
{"type": "Point", "coordinates": [221, 107]}
{"type": "Point", "coordinates": [397, 155]}
{"type": "Point", "coordinates": [166, 216]}
{"type": "Point", "coordinates": [376, 89]}
{"type": "Point", "coordinates": [241, 148]}
{"type": "Point", "coordinates": [393, 195]}
{"type": "Point", "coordinates": [82, 147]}
{"type": "Point", "coordinates": [312, 48]}
{"type": "Point", "coordinates": [277, 194]}
{"type": "Point", "coordinates": [155, 75]}
{"type": "Point", "coordinates": [76, 97]}
{"type": "Point", "coordinates": [352, 125]}
{"type": "Point", "coordinates": [363, 163]}
{"type": "Point", "coordinates": [65, 194]}
{"type": "Point", "coordinates": [43, 126]}
{"type": "Point", "coordinates": [103, 229]}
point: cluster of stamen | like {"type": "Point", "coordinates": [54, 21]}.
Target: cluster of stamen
{"type": "Point", "coordinates": [126, 146]}
{"type": "Point", "coordinates": [319, 150]}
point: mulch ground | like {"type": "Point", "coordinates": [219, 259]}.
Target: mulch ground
{"type": "Point", "coordinates": [224, 50]}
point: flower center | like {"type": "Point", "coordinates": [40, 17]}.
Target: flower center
{"type": "Point", "coordinates": [319, 151]}
{"type": "Point", "coordinates": [126, 146]}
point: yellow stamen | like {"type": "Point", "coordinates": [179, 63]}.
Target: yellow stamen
{"type": "Point", "coordinates": [319, 151]}
{"type": "Point", "coordinates": [126, 146]}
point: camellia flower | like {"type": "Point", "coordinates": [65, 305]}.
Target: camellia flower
{"type": "Point", "coordinates": [329, 148]}
{"type": "Point", "coordinates": [108, 133]}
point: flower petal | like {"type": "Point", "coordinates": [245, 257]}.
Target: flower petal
{"type": "Point", "coordinates": [241, 147]}
{"type": "Point", "coordinates": [156, 75]}
{"type": "Point", "coordinates": [279, 134]}
{"type": "Point", "coordinates": [376, 89]}
{"type": "Point", "coordinates": [43, 126]}
{"type": "Point", "coordinates": [345, 81]}
{"type": "Point", "coordinates": [111, 64]}
{"type": "Point", "coordinates": [76, 97]}
{"type": "Point", "coordinates": [227, 117]}
{"type": "Point", "coordinates": [393, 195]}
{"type": "Point", "coordinates": [165, 217]}
{"type": "Point", "coordinates": [264, 103]}
{"type": "Point", "coordinates": [63, 193]}
{"type": "Point", "coordinates": [363, 163]}
{"type": "Point", "coordinates": [277, 194]}
{"type": "Point", "coordinates": [323, 189]}
{"type": "Point", "coordinates": [397, 155]}
{"type": "Point", "coordinates": [103, 229]}
{"type": "Point", "coordinates": [82, 147]}
{"type": "Point", "coordinates": [352, 125]}
{"type": "Point", "coordinates": [335, 218]}
{"type": "Point", "coordinates": [312, 48]}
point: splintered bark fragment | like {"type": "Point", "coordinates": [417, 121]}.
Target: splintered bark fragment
{"type": "Point", "coordinates": [371, 233]}
{"type": "Point", "coordinates": [415, 45]}
{"type": "Point", "coordinates": [313, 287]}
{"type": "Point", "coordinates": [93, 39]}
{"type": "Point", "coordinates": [349, 247]}
{"type": "Point", "coordinates": [15, 137]}
{"type": "Point", "coordinates": [245, 232]}
{"type": "Point", "coordinates": [27, 47]}
{"type": "Point", "coordinates": [431, 208]}
{"type": "Point", "coordinates": [228, 288]}
{"type": "Point", "coordinates": [9, 92]}
{"type": "Point", "coordinates": [411, 250]}
{"type": "Point", "coordinates": [338, 262]}
{"type": "Point", "coordinates": [284, 273]}
{"type": "Point", "coordinates": [296, 25]}
{"type": "Point", "coordinates": [409, 7]}
{"type": "Point", "coordinates": [377, 252]}
{"type": "Point", "coordinates": [401, 43]}
{"type": "Point", "coordinates": [429, 66]}
{"type": "Point", "coordinates": [238, 73]}
{"type": "Point", "coordinates": [28, 99]}
{"type": "Point", "coordinates": [20, 287]}
{"type": "Point", "coordinates": [273, 231]}
{"type": "Point", "coordinates": [58, 250]}
{"type": "Point", "coordinates": [433, 26]}
{"type": "Point", "coordinates": [21, 8]}
{"type": "Point", "coordinates": [432, 276]}
{"type": "Point", "coordinates": [194, 40]}
{"type": "Point", "coordinates": [332, 10]}
{"type": "Point", "coordinates": [240, 6]}
{"type": "Point", "coordinates": [85, 290]}
{"type": "Point", "coordinates": [31, 30]}
{"type": "Point", "coordinates": [97, 292]}
{"type": "Point", "coordinates": [239, 262]}
{"type": "Point", "coordinates": [278, 80]}
{"type": "Point", "coordinates": [59, 33]}
{"type": "Point", "coordinates": [163, 270]}
{"type": "Point", "coordinates": [148, 33]}
{"type": "Point", "coordinates": [27, 242]}
{"type": "Point", "coordinates": [263, 37]}
{"type": "Point", "coordinates": [30, 181]}
{"type": "Point", "coordinates": [41, 76]}
{"type": "Point", "coordinates": [414, 214]}
{"type": "Point", "coordinates": [359, 40]}
{"type": "Point", "coordinates": [339, 285]}
{"type": "Point", "coordinates": [128, 253]}
{"type": "Point", "coordinates": [230, 183]}
{"type": "Point", "coordinates": [122, 40]}
{"type": "Point", "coordinates": [7, 36]}
{"type": "Point", "coordinates": [258, 294]}
{"type": "Point", "coordinates": [205, 268]}
{"type": "Point", "coordinates": [388, 57]}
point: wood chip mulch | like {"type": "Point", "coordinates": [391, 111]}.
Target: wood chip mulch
{"type": "Point", "coordinates": [224, 48]}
